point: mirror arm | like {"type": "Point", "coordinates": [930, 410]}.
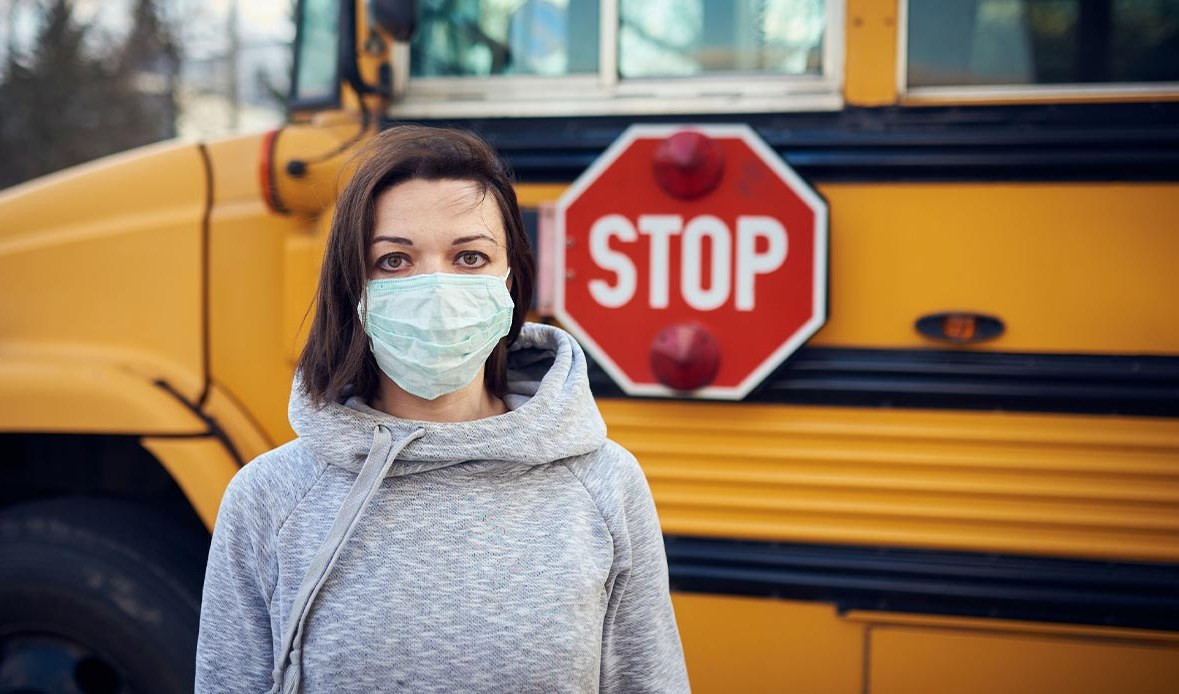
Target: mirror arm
{"type": "Point", "coordinates": [349, 58]}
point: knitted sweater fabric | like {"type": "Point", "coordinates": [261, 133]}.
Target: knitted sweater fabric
{"type": "Point", "coordinates": [519, 553]}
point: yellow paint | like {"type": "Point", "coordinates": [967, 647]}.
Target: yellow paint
{"type": "Point", "coordinates": [235, 421]}
{"type": "Point", "coordinates": [318, 147]}
{"type": "Point", "coordinates": [202, 467]}
{"type": "Point", "coordinates": [747, 644]}
{"type": "Point", "coordinates": [870, 60]}
{"type": "Point", "coordinates": [1009, 626]}
{"type": "Point", "coordinates": [933, 661]}
{"type": "Point", "coordinates": [75, 391]}
{"type": "Point", "coordinates": [255, 262]}
{"type": "Point", "coordinates": [368, 65]}
{"type": "Point", "coordinates": [241, 182]}
{"type": "Point", "coordinates": [118, 247]}
{"type": "Point", "coordinates": [1078, 486]}
{"type": "Point", "coordinates": [1067, 267]}
{"type": "Point", "coordinates": [247, 294]}
{"type": "Point", "coordinates": [302, 257]}
{"type": "Point", "coordinates": [87, 266]}
{"type": "Point", "coordinates": [751, 645]}
{"type": "Point", "coordinates": [534, 194]}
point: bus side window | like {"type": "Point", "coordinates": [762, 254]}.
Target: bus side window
{"type": "Point", "coordinates": [480, 58]}
{"type": "Point", "coordinates": [548, 38]}
{"type": "Point", "coordinates": [656, 38]}
{"type": "Point", "coordinates": [1041, 42]}
{"type": "Point", "coordinates": [676, 38]}
{"type": "Point", "coordinates": [317, 53]}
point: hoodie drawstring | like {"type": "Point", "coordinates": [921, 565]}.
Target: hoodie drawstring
{"type": "Point", "coordinates": [380, 458]}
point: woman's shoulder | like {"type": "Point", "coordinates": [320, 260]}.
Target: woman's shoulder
{"type": "Point", "coordinates": [268, 487]}
{"type": "Point", "coordinates": [612, 475]}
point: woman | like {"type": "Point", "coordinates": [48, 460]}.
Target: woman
{"type": "Point", "coordinates": [451, 516]}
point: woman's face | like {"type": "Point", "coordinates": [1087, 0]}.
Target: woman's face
{"type": "Point", "coordinates": [423, 227]}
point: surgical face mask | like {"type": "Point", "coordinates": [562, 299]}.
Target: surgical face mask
{"type": "Point", "coordinates": [432, 333]}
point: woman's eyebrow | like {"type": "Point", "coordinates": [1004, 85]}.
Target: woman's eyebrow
{"type": "Point", "coordinates": [467, 239]}
{"type": "Point", "coordinates": [393, 239]}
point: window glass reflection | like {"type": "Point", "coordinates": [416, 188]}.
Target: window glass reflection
{"type": "Point", "coordinates": [670, 38]}
{"type": "Point", "coordinates": [473, 38]}
{"type": "Point", "coordinates": [1022, 42]}
{"type": "Point", "coordinates": [318, 51]}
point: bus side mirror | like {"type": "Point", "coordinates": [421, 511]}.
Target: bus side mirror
{"type": "Point", "coordinates": [397, 18]}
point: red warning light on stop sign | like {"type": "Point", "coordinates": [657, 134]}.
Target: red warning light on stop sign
{"type": "Point", "coordinates": [743, 265]}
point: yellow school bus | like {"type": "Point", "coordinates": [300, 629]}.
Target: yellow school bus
{"type": "Point", "coordinates": [966, 481]}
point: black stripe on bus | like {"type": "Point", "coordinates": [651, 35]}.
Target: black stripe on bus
{"type": "Point", "coordinates": [214, 427]}
{"type": "Point", "coordinates": [1040, 589]}
{"type": "Point", "coordinates": [949, 379]}
{"type": "Point", "coordinates": [1035, 142]}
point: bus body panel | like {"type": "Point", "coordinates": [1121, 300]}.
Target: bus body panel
{"type": "Point", "coordinates": [103, 264]}
{"type": "Point", "coordinates": [158, 293]}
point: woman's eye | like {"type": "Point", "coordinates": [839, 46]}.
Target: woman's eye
{"type": "Point", "coordinates": [391, 262]}
{"type": "Point", "coordinates": [472, 259]}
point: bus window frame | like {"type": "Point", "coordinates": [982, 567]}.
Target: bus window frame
{"type": "Point", "coordinates": [333, 101]}
{"type": "Point", "coordinates": [607, 93]}
{"type": "Point", "coordinates": [1015, 93]}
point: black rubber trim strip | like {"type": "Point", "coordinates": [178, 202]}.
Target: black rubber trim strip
{"type": "Point", "coordinates": [967, 380]}
{"type": "Point", "coordinates": [272, 199]}
{"type": "Point", "coordinates": [1030, 142]}
{"type": "Point", "coordinates": [215, 429]}
{"type": "Point", "coordinates": [206, 276]}
{"type": "Point", "coordinates": [1107, 593]}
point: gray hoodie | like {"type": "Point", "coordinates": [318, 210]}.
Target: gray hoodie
{"type": "Point", "coordinates": [517, 553]}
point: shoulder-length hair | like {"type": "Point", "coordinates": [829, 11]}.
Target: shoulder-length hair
{"type": "Point", "coordinates": [337, 352]}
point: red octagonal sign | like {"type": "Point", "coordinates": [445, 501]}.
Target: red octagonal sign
{"type": "Point", "coordinates": [698, 256]}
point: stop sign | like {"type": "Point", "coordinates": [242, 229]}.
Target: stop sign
{"type": "Point", "coordinates": [725, 256]}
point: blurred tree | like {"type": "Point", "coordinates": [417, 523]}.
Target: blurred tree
{"type": "Point", "coordinates": [275, 90]}
{"type": "Point", "coordinates": [149, 63]}
{"type": "Point", "coordinates": [74, 105]}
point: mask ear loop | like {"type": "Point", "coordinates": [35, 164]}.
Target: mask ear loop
{"type": "Point", "coordinates": [362, 308]}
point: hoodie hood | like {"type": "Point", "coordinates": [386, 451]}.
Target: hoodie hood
{"type": "Point", "coordinates": [552, 416]}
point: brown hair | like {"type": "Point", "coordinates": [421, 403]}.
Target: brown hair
{"type": "Point", "coordinates": [337, 352]}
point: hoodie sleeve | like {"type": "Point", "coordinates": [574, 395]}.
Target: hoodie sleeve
{"type": "Point", "coordinates": [234, 647]}
{"type": "Point", "coordinates": [641, 650]}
